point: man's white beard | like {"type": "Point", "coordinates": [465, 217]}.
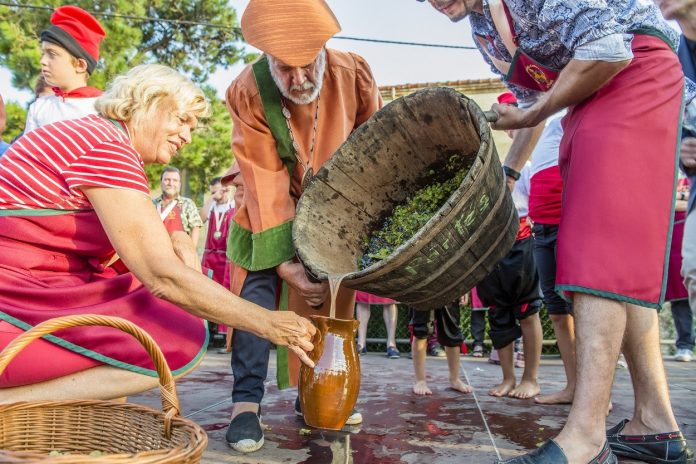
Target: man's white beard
{"type": "Point", "coordinates": [316, 86]}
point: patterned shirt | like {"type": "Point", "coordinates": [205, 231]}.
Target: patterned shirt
{"type": "Point", "coordinates": [553, 32]}
{"type": "Point", "coordinates": [45, 168]}
{"type": "Point", "coordinates": [190, 217]}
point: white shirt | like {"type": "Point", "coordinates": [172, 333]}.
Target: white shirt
{"type": "Point", "coordinates": [52, 108]}
{"type": "Point", "coordinates": [520, 196]}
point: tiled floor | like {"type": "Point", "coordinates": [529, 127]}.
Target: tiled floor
{"type": "Point", "coordinates": [399, 427]}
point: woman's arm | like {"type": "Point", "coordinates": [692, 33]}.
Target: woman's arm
{"type": "Point", "coordinates": [142, 242]}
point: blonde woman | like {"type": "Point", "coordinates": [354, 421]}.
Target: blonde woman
{"type": "Point", "coordinates": [74, 193]}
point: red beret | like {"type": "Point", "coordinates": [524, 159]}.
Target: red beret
{"type": "Point", "coordinates": [77, 31]}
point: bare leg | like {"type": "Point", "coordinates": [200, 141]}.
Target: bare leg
{"type": "Point", "coordinates": [564, 328]}
{"type": "Point", "coordinates": [506, 355]}
{"type": "Point", "coordinates": [97, 383]}
{"type": "Point", "coordinates": [362, 311]}
{"type": "Point", "coordinates": [389, 313]}
{"type": "Point", "coordinates": [653, 410]}
{"type": "Point", "coordinates": [418, 348]}
{"type": "Point", "coordinates": [453, 360]}
{"type": "Point", "coordinates": [600, 325]}
{"type": "Point", "coordinates": [531, 336]}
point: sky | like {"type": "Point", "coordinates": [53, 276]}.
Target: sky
{"type": "Point", "coordinates": [398, 20]}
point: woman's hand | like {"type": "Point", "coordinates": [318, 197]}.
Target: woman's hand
{"type": "Point", "coordinates": [511, 117]}
{"type": "Point", "coordinates": [295, 332]}
{"type": "Point", "coordinates": [294, 274]}
{"type": "Point", "coordinates": [185, 249]}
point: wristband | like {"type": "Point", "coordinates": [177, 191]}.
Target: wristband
{"type": "Point", "coordinates": [511, 172]}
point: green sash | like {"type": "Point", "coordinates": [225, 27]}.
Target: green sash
{"type": "Point", "coordinates": [270, 98]}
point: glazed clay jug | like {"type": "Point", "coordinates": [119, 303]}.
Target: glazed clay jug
{"type": "Point", "coordinates": [328, 391]}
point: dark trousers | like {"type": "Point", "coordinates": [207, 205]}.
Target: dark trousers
{"type": "Point", "coordinates": [511, 292]}
{"type": "Point", "coordinates": [249, 352]}
{"type": "Point", "coordinates": [478, 326]}
{"type": "Point", "coordinates": [545, 236]}
{"type": "Point", "coordinates": [444, 321]}
{"type": "Point", "coordinates": [683, 324]}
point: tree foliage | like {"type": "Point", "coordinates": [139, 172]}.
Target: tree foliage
{"type": "Point", "coordinates": [194, 49]}
{"type": "Point", "coordinates": [16, 115]}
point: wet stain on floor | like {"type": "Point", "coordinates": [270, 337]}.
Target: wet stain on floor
{"type": "Point", "coordinates": [398, 426]}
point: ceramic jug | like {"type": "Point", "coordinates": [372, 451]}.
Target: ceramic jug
{"type": "Point", "coordinates": [329, 390]}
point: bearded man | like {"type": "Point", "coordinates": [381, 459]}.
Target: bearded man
{"type": "Point", "coordinates": [290, 111]}
{"type": "Point", "coordinates": [177, 212]}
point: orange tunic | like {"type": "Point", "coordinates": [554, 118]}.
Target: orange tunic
{"type": "Point", "coordinates": [349, 96]}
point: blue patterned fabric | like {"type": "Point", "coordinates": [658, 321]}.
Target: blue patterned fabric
{"type": "Point", "coordinates": [552, 31]}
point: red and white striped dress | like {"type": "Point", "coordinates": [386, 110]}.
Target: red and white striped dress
{"type": "Point", "coordinates": [53, 251]}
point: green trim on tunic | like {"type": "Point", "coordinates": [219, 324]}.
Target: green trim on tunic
{"type": "Point", "coordinates": [272, 108]}
{"type": "Point", "coordinates": [282, 367]}
{"type": "Point", "coordinates": [264, 250]}
{"type": "Point", "coordinates": [39, 212]}
{"type": "Point", "coordinates": [106, 359]}
{"type": "Point", "coordinates": [601, 293]}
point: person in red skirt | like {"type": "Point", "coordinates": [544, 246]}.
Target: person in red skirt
{"type": "Point", "coordinates": [72, 194]}
{"type": "Point", "coordinates": [613, 65]}
{"type": "Point", "coordinates": [217, 213]}
{"type": "Point", "coordinates": [363, 300]}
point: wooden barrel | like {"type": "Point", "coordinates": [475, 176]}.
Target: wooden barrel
{"type": "Point", "coordinates": [379, 167]}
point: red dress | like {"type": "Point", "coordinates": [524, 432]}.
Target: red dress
{"type": "Point", "coordinates": [52, 255]}
{"type": "Point", "coordinates": [215, 252]}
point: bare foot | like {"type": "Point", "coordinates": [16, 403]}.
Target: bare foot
{"type": "Point", "coordinates": [564, 396]}
{"type": "Point", "coordinates": [457, 384]}
{"type": "Point", "coordinates": [525, 389]}
{"type": "Point", "coordinates": [502, 389]}
{"type": "Point", "coordinates": [421, 388]}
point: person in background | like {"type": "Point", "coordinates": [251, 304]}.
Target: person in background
{"type": "Point", "coordinates": [69, 55]}
{"type": "Point", "coordinates": [449, 335]}
{"type": "Point", "coordinates": [176, 210]}
{"type": "Point", "coordinates": [511, 293]}
{"type": "Point", "coordinates": [217, 212]}
{"type": "Point", "coordinates": [478, 324]}
{"type": "Point", "coordinates": [545, 194]}
{"type": "Point", "coordinates": [290, 110]}
{"type": "Point", "coordinates": [363, 301]}
{"type": "Point", "coordinates": [676, 293]}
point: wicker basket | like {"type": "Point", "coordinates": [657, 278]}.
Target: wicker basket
{"type": "Point", "coordinates": [30, 431]}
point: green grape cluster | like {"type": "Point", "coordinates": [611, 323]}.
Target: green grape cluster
{"type": "Point", "coordinates": [408, 218]}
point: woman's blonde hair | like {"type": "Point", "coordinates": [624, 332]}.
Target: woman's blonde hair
{"type": "Point", "coordinates": [135, 94]}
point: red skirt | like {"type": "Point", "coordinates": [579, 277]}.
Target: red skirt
{"type": "Point", "coordinates": [618, 161]}
{"type": "Point", "coordinates": [368, 298]}
{"type": "Point", "coordinates": [50, 266]}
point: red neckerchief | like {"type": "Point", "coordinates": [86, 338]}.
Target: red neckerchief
{"type": "Point", "coordinates": [82, 92]}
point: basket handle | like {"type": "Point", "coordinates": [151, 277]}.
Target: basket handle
{"type": "Point", "coordinates": [170, 401]}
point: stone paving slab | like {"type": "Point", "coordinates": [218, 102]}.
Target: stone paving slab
{"type": "Point", "coordinates": [400, 427]}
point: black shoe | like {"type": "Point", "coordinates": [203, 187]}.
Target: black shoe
{"type": "Point", "coordinates": [663, 448]}
{"type": "Point", "coordinates": [551, 453]}
{"type": "Point", "coordinates": [244, 433]}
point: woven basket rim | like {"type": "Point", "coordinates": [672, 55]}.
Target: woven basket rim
{"type": "Point", "coordinates": [181, 453]}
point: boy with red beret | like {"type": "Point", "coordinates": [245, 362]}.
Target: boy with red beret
{"type": "Point", "coordinates": [69, 55]}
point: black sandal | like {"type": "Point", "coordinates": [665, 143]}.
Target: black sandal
{"type": "Point", "coordinates": [551, 453]}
